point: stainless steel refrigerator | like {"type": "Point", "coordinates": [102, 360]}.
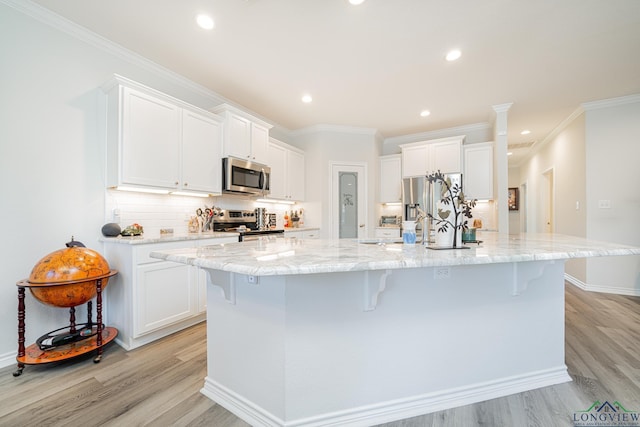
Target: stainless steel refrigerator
{"type": "Point", "coordinates": [419, 195]}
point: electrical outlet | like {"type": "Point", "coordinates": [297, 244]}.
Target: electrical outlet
{"type": "Point", "coordinates": [252, 279]}
{"type": "Point", "coordinates": [442, 273]}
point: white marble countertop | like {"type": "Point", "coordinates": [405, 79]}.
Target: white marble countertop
{"type": "Point", "coordinates": [280, 256]}
{"type": "Point", "coordinates": [145, 240]}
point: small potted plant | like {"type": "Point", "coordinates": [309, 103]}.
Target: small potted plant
{"type": "Point", "coordinates": [453, 209]}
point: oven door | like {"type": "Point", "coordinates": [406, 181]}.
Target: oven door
{"type": "Point", "coordinates": [243, 177]}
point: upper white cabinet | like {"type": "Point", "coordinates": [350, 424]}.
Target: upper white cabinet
{"type": "Point", "coordinates": [245, 136]}
{"type": "Point", "coordinates": [201, 153]}
{"type": "Point", "coordinates": [420, 158]}
{"type": "Point", "coordinates": [390, 178]}
{"type": "Point", "coordinates": [156, 141]}
{"type": "Point", "coordinates": [478, 171]}
{"type": "Point", "coordinates": [287, 171]}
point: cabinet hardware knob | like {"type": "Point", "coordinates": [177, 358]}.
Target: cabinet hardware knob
{"type": "Point", "coordinates": [177, 183]}
{"type": "Point", "coordinates": [186, 184]}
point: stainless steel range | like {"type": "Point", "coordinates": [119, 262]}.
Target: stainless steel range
{"type": "Point", "coordinates": [243, 222]}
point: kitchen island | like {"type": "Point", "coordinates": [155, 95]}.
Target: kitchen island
{"type": "Point", "coordinates": [338, 332]}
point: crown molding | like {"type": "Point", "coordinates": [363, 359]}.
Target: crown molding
{"type": "Point", "coordinates": [535, 148]}
{"type": "Point", "coordinates": [81, 33]}
{"type": "Point", "coordinates": [436, 134]}
{"type": "Point", "coordinates": [354, 130]}
{"type": "Point", "coordinates": [611, 102]}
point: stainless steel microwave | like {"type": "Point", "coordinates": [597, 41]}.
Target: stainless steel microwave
{"type": "Point", "coordinates": [244, 177]}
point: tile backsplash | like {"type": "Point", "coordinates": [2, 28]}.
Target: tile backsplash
{"type": "Point", "coordinates": [158, 211]}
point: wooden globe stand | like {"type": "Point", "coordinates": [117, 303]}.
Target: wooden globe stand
{"type": "Point", "coordinates": [99, 337]}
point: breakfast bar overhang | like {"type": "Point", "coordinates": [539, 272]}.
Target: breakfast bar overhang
{"type": "Point", "coordinates": [338, 332]}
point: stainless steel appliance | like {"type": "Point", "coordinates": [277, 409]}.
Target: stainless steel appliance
{"type": "Point", "coordinates": [243, 222]}
{"type": "Point", "coordinates": [242, 177]}
{"type": "Point", "coordinates": [417, 194]}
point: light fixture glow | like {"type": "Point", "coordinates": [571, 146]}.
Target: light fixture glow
{"type": "Point", "coordinates": [356, 2]}
{"type": "Point", "coordinates": [184, 193]}
{"type": "Point", "coordinates": [509, 153]}
{"type": "Point", "coordinates": [283, 202]}
{"type": "Point", "coordinates": [525, 132]}
{"type": "Point", "coordinates": [307, 98]}
{"type": "Point", "coordinates": [140, 189]}
{"type": "Point", "coordinates": [425, 113]}
{"type": "Point", "coordinates": [452, 55]}
{"type": "Point", "coordinates": [204, 21]}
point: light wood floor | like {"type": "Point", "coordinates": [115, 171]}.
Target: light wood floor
{"type": "Point", "coordinates": [159, 384]}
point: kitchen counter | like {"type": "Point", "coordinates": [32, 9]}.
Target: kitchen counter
{"type": "Point", "coordinates": [326, 332]}
{"type": "Point", "coordinates": [286, 256]}
{"type": "Point", "coordinates": [145, 240]}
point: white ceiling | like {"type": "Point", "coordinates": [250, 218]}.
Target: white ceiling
{"type": "Point", "coordinates": [379, 64]}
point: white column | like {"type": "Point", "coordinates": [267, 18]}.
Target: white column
{"type": "Point", "coordinates": [501, 166]}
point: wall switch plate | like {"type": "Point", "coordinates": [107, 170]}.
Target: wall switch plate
{"type": "Point", "coordinates": [442, 273]}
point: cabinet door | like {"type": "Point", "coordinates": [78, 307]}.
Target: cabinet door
{"type": "Point", "coordinates": [478, 171]}
{"type": "Point", "coordinates": [259, 143]}
{"type": "Point", "coordinates": [446, 157]}
{"type": "Point", "coordinates": [238, 137]}
{"type": "Point", "coordinates": [201, 153]}
{"type": "Point", "coordinates": [295, 175]}
{"type": "Point", "coordinates": [150, 145]}
{"type": "Point", "coordinates": [166, 294]}
{"type": "Point", "coordinates": [390, 179]}
{"type": "Point", "coordinates": [277, 161]}
{"type": "Point", "coordinates": [415, 161]}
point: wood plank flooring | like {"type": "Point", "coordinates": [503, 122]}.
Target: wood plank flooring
{"type": "Point", "coordinates": [159, 384]}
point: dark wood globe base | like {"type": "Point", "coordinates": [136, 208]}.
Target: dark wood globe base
{"type": "Point", "coordinates": [33, 355]}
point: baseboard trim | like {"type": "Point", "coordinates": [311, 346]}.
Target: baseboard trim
{"type": "Point", "coordinates": [8, 359]}
{"type": "Point", "coordinates": [604, 289]}
{"type": "Point", "coordinates": [391, 410]}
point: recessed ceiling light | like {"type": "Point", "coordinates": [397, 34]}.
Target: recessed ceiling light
{"type": "Point", "coordinates": [425, 113]}
{"type": "Point", "coordinates": [525, 132]}
{"type": "Point", "coordinates": [356, 2]}
{"type": "Point", "coordinates": [204, 21]}
{"type": "Point", "coordinates": [307, 99]}
{"type": "Point", "coordinates": [509, 153]}
{"type": "Point", "coordinates": [452, 55]}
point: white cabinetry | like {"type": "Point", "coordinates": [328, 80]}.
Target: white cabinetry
{"type": "Point", "coordinates": [245, 136]}
{"type": "Point", "coordinates": [152, 140]}
{"type": "Point", "coordinates": [287, 171]}
{"type": "Point", "coordinates": [390, 179]}
{"type": "Point", "coordinates": [420, 158]}
{"type": "Point", "coordinates": [312, 233]}
{"type": "Point", "coordinates": [478, 171]}
{"type": "Point", "coordinates": [387, 232]}
{"type": "Point", "coordinates": [151, 298]}
{"type": "Point", "coordinates": [201, 153]}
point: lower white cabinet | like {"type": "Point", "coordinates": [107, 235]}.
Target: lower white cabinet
{"type": "Point", "coordinates": [313, 233]}
{"type": "Point", "coordinates": [387, 232]}
{"type": "Point", "coordinates": [150, 298]}
{"type": "Point", "coordinates": [166, 294]}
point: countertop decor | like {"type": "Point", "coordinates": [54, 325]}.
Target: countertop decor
{"type": "Point", "coordinates": [452, 196]}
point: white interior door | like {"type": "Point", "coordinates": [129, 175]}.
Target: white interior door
{"type": "Point", "coordinates": [547, 194]}
{"type": "Point", "coordinates": [348, 200]}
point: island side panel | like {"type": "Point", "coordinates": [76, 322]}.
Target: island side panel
{"type": "Point", "coordinates": [246, 346]}
{"type": "Point", "coordinates": [303, 349]}
{"type": "Point", "coordinates": [426, 337]}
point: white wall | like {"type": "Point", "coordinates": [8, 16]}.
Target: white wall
{"type": "Point", "coordinates": [323, 145]}
{"type": "Point", "coordinates": [515, 225]}
{"type": "Point", "coordinates": [51, 154]}
{"type": "Point", "coordinates": [565, 155]}
{"type": "Point", "coordinates": [613, 174]}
